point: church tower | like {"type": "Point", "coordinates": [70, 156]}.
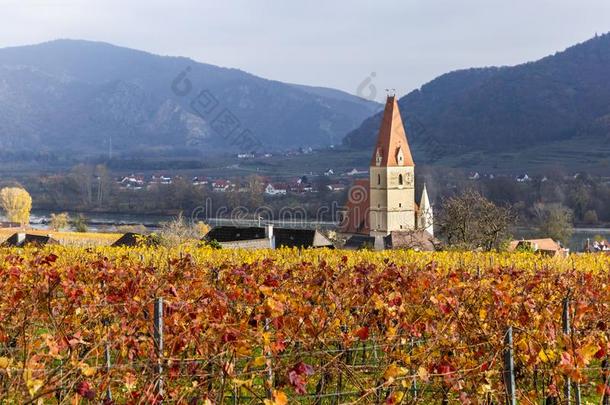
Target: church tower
{"type": "Point", "coordinates": [392, 177]}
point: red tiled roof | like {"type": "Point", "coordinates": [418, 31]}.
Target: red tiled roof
{"type": "Point", "coordinates": [392, 137]}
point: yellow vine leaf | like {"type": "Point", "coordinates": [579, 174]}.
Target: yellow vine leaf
{"type": "Point", "coordinates": [87, 370]}
{"type": "Point", "coordinates": [546, 356]}
{"type": "Point", "coordinates": [588, 351]}
{"type": "Point", "coordinates": [396, 397]}
{"type": "Point", "coordinates": [394, 371]}
{"type": "Point", "coordinates": [33, 385]}
{"type": "Point", "coordinates": [279, 398]}
{"type": "Point", "coordinates": [130, 381]}
{"type": "Point", "coordinates": [259, 361]}
{"type": "Point", "coordinates": [242, 383]}
{"type": "Point", "coordinates": [4, 362]}
{"type": "Point", "coordinates": [423, 374]}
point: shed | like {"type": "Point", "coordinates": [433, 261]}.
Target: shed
{"type": "Point", "coordinates": [21, 239]}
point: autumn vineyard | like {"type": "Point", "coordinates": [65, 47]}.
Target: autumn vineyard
{"type": "Point", "coordinates": [203, 326]}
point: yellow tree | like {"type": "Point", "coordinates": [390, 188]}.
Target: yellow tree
{"type": "Point", "coordinates": [17, 204]}
{"type": "Point", "coordinates": [59, 221]}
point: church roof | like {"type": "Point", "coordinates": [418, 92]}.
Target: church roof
{"type": "Point", "coordinates": [392, 138]}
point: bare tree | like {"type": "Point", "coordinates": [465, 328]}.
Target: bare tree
{"type": "Point", "coordinates": [180, 231]}
{"type": "Point", "coordinates": [83, 175]}
{"type": "Point", "coordinates": [471, 221]}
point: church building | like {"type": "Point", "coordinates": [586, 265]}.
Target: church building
{"type": "Point", "coordinates": [384, 208]}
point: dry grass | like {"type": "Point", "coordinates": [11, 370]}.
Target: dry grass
{"type": "Point", "coordinates": [68, 238]}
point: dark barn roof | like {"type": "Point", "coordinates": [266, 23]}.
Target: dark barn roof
{"type": "Point", "coordinates": [357, 242]}
{"type": "Point", "coordinates": [284, 237]}
{"type": "Point", "coordinates": [300, 238]}
{"type": "Point", "coordinates": [234, 233]}
{"type": "Point", "coordinates": [134, 239]}
{"type": "Point", "coordinates": [29, 239]}
{"type": "Point", "coordinates": [417, 240]}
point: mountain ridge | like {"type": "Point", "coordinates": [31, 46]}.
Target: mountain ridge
{"type": "Point", "coordinates": [77, 94]}
{"type": "Point", "coordinates": [560, 97]}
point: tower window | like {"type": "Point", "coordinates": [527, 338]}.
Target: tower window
{"type": "Point", "coordinates": [399, 205]}
{"type": "Point", "coordinates": [400, 179]}
{"type": "Point", "coordinates": [379, 179]}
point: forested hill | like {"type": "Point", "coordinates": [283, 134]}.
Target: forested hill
{"type": "Point", "coordinates": [76, 95]}
{"type": "Point", "coordinates": [558, 105]}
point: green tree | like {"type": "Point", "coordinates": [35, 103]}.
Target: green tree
{"type": "Point", "coordinates": [255, 194]}
{"type": "Point", "coordinates": [591, 217]}
{"type": "Point", "coordinates": [554, 221]}
{"type": "Point", "coordinates": [80, 223]}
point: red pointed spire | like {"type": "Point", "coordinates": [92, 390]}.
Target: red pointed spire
{"type": "Point", "coordinates": [392, 139]}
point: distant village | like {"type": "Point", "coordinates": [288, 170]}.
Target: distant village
{"type": "Point", "coordinates": [296, 185]}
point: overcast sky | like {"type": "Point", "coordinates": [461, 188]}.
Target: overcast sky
{"type": "Point", "coordinates": [334, 43]}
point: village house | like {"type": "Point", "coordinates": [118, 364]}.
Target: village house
{"type": "Point", "coordinates": [301, 185]}
{"type": "Point", "coordinates": [160, 179]}
{"type": "Point", "coordinates": [276, 189]}
{"type": "Point", "coordinates": [356, 172]}
{"type": "Point", "coordinates": [267, 237]}
{"type": "Point", "coordinates": [245, 155]}
{"type": "Point", "coordinates": [545, 247]}
{"type": "Point", "coordinates": [597, 246]}
{"type": "Point", "coordinates": [199, 181]}
{"type": "Point", "coordinates": [132, 182]}
{"type": "Point", "coordinates": [22, 239]}
{"type": "Point", "coordinates": [336, 187]}
{"type": "Point", "coordinates": [222, 186]}
{"type": "Point", "coordinates": [135, 239]}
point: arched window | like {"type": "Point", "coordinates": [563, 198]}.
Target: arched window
{"type": "Point", "coordinates": [379, 179]}
{"type": "Point", "coordinates": [400, 179]}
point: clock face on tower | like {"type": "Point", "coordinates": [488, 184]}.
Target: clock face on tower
{"type": "Point", "coordinates": [402, 179]}
{"type": "Point", "coordinates": [409, 179]}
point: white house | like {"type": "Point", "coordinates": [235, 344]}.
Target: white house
{"type": "Point", "coordinates": [275, 189]}
{"type": "Point", "coordinates": [523, 178]}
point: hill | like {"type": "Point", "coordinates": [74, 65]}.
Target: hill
{"type": "Point", "coordinates": [69, 96]}
{"type": "Point", "coordinates": [555, 111]}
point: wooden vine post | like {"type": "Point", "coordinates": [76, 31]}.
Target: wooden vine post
{"type": "Point", "coordinates": [509, 368]}
{"type": "Point", "coordinates": [567, 391]}
{"type": "Point", "coordinates": [158, 336]}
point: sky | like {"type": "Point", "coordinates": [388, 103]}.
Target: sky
{"type": "Point", "coordinates": [362, 47]}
